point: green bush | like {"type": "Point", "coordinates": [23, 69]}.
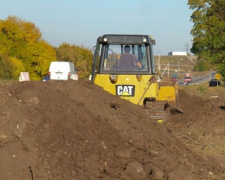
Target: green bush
{"type": "Point", "coordinates": [201, 66]}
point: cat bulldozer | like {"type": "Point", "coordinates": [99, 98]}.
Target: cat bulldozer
{"type": "Point", "coordinates": [124, 66]}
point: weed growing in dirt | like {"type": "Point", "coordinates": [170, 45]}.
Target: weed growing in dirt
{"type": "Point", "coordinates": [202, 89]}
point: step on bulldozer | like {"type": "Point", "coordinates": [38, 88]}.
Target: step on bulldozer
{"type": "Point", "coordinates": [124, 66]}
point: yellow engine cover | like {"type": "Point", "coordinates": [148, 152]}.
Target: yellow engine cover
{"type": "Point", "coordinates": [129, 87]}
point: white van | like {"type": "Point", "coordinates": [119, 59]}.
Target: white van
{"type": "Point", "coordinates": [62, 70]}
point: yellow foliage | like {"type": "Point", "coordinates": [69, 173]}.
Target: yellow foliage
{"type": "Point", "coordinates": [17, 67]}
{"type": "Point", "coordinates": [21, 41]}
{"type": "Point", "coordinates": [32, 34]}
{"type": "Point", "coordinates": [82, 69]}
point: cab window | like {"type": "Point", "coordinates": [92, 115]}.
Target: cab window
{"type": "Point", "coordinates": [125, 58]}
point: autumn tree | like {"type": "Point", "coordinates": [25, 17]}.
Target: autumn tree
{"type": "Point", "coordinates": [209, 31]}
{"type": "Point", "coordinates": [80, 56]}
{"type": "Point", "coordinates": [22, 44]}
{"type": "Point", "coordinates": [6, 68]}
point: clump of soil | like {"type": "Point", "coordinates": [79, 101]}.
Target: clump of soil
{"type": "Point", "coordinates": [76, 130]}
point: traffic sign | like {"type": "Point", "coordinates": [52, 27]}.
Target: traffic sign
{"type": "Point", "coordinates": [217, 76]}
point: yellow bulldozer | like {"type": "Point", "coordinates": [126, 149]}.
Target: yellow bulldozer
{"type": "Point", "coordinates": [124, 66]}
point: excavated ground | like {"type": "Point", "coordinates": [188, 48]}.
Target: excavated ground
{"type": "Point", "coordinates": [76, 130]}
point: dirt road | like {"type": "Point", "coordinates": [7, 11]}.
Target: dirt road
{"type": "Point", "coordinates": [76, 130]}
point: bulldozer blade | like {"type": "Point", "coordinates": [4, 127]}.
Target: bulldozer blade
{"type": "Point", "coordinates": [180, 110]}
{"type": "Point", "coordinates": [175, 110]}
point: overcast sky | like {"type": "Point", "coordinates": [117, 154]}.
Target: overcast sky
{"type": "Point", "coordinates": [80, 22]}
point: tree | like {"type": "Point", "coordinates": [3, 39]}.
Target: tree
{"type": "Point", "coordinates": [209, 31]}
{"type": "Point", "coordinates": [5, 67]}
{"type": "Point", "coordinates": [80, 56]}
{"type": "Point", "coordinates": [201, 66]}
{"type": "Point", "coordinates": [16, 67]}
{"type": "Point", "coordinates": [21, 44]}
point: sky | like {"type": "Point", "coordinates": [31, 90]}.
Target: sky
{"type": "Point", "coordinates": [81, 22]}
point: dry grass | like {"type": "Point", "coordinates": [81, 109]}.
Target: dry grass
{"type": "Point", "coordinates": [203, 90]}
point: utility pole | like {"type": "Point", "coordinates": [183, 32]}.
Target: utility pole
{"type": "Point", "coordinates": [168, 69]}
{"type": "Point", "coordinates": [178, 68]}
{"type": "Point", "coordinates": [187, 47]}
{"type": "Point", "coordinates": [159, 65]}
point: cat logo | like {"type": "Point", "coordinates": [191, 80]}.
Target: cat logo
{"type": "Point", "coordinates": [125, 90]}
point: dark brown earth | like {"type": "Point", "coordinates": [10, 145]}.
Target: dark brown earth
{"type": "Point", "coordinates": [76, 131]}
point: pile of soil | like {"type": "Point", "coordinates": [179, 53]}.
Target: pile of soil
{"type": "Point", "coordinates": [76, 130]}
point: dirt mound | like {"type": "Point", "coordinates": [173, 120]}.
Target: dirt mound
{"type": "Point", "coordinates": [76, 130]}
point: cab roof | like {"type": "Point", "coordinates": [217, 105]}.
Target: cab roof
{"type": "Point", "coordinates": [126, 39]}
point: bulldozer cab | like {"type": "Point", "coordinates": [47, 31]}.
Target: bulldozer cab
{"type": "Point", "coordinates": [111, 55]}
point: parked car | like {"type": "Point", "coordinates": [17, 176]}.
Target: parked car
{"type": "Point", "coordinates": [61, 70]}
{"type": "Point", "coordinates": [46, 78]}
{"type": "Point", "coordinates": [213, 82]}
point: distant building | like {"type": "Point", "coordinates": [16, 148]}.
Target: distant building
{"type": "Point", "coordinates": [177, 53]}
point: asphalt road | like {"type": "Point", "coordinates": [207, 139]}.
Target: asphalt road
{"type": "Point", "coordinates": [197, 79]}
